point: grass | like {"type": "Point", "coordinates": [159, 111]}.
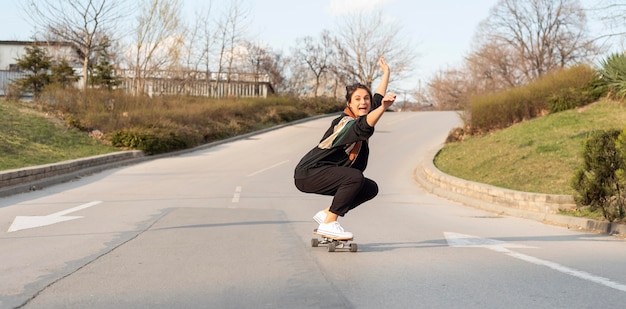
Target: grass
{"type": "Point", "coordinates": [540, 155]}
{"type": "Point", "coordinates": [29, 138]}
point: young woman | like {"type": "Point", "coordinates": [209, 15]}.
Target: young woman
{"type": "Point", "coordinates": [335, 166]}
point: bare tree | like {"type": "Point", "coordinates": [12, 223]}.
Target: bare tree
{"type": "Point", "coordinates": [450, 89]}
{"type": "Point", "coordinates": [158, 39]}
{"type": "Point", "coordinates": [492, 67]}
{"type": "Point", "coordinates": [317, 55]}
{"type": "Point", "coordinates": [261, 61]}
{"type": "Point", "coordinates": [362, 39]}
{"type": "Point", "coordinates": [85, 23]}
{"type": "Point", "coordinates": [230, 34]}
{"type": "Point", "coordinates": [610, 14]}
{"type": "Point", "coordinates": [539, 35]}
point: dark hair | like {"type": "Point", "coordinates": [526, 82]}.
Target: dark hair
{"type": "Point", "coordinates": [350, 89]}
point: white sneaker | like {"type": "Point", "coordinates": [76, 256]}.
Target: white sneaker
{"type": "Point", "coordinates": [320, 217]}
{"type": "Point", "coordinates": [334, 230]}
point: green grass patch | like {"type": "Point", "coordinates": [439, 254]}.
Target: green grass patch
{"type": "Point", "coordinates": [29, 138]}
{"type": "Point", "coordinates": [540, 155]}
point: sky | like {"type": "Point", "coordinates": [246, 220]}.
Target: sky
{"type": "Point", "coordinates": [441, 30]}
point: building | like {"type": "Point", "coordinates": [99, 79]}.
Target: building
{"type": "Point", "coordinates": [156, 83]}
{"type": "Point", "coordinates": [10, 51]}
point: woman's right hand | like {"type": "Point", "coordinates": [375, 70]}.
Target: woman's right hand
{"type": "Point", "coordinates": [383, 65]}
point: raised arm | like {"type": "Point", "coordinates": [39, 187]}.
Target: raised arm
{"type": "Point", "coordinates": [388, 98]}
{"type": "Point", "coordinates": [384, 80]}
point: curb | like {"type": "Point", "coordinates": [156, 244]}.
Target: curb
{"type": "Point", "coordinates": [36, 177]}
{"type": "Point", "coordinates": [535, 206]}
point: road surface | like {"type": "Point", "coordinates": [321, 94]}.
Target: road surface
{"type": "Point", "coordinates": [225, 227]}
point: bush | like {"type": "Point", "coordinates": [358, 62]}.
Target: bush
{"type": "Point", "coordinates": [597, 182]}
{"type": "Point", "coordinates": [167, 123]}
{"type": "Point", "coordinates": [153, 141]}
{"type": "Point", "coordinates": [568, 88]}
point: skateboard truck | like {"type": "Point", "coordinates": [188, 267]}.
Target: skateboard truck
{"type": "Point", "coordinates": [333, 243]}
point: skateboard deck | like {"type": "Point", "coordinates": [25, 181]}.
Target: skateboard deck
{"type": "Point", "coordinates": [333, 243]}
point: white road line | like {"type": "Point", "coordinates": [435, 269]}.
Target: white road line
{"type": "Point", "coordinates": [237, 194]}
{"type": "Point", "coordinates": [566, 270]}
{"type": "Point", "coordinates": [462, 240]}
{"type": "Point", "coordinates": [267, 168]}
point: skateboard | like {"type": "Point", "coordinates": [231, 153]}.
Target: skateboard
{"type": "Point", "coordinates": [333, 243]}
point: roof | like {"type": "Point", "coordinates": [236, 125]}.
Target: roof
{"type": "Point", "coordinates": [28, 43]}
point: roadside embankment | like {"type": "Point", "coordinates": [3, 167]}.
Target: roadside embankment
{"type": "Point", "coordinates": [535, 206]}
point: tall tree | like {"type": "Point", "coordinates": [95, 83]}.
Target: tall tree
{"type": "Point", "coordinates": [231, 29]}
{"type": "Point", "coordinates": [610, 15]}
{"type": "Point", "coordinates": [362, 39]}
{"type": "Point", "coordinates": [84, 23]}
{"type": "Point", "coordinates": [157, 42]}
{"type": "Point", "coordinates": [317, 55]}
{"type": "Point", "coordinates": [539, 35]}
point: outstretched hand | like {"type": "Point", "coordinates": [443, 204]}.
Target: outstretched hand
{"type": "Point", "coordinates": [388, 99]}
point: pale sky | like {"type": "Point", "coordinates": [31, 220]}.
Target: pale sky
{"type": "Point", "coordinates": [441, 30]}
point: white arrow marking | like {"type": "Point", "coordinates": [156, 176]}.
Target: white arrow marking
{"type": "Point", "coordinates": [28, 222]}
{"type": "Point", "coordinates": [461, 240]}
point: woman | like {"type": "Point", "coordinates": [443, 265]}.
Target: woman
{"type": "Point", "coordinates": [335, 167]}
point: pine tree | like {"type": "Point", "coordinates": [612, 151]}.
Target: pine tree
{"type": "Point", "coordinates": [63, 74]}
{"type": "Point", "coordinates": [36, 64]}
{"type": "Point", "coordinates": [103, 72]}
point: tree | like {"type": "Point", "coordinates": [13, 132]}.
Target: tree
{"type": "Point", "coordinates": [63, 74]}
{"type": "Point", "coordinates": [317, 55]}
{"type": "Point", "coordinates": [450, 89]}
{"type": "Point", "coordinates": [83, 23]}
{"type": "Point", "coordinates": [35, 63]}
{"type": "Point", "coordinates": [537, 35]}
{"type": "Point", "coordinates": [362, 40]}
{"type": "Point", "coordinates": [231, 28]}
{"type": "Point", "coordinates": [103, 71]}
{"type": "Point", "coordinates": [157, 39]}
{"type": "Point", "coordinates": [611, 14]}
{"type": "Point", "coordinates": [263, 63]}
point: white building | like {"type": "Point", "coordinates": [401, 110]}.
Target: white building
{"type": "Point", "coordinates": [10, 51]}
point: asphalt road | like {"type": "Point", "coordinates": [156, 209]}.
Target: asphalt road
{"type": "Point", "coordinates": [224, 227]}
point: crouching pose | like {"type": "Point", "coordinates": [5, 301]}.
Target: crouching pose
{"type": "Point", "coordinates": [335, 166]}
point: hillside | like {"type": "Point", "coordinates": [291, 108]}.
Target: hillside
{"type": "Point", "coordinates": [29, 138]}
{"type": "Point", "coordinates": [538, 155]}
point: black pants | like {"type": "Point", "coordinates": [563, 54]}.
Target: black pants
{"type": "Point", "coordinates": [348, 186]}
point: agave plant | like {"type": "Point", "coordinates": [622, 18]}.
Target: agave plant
{"type": "Point", "coordinates": [613, 75]}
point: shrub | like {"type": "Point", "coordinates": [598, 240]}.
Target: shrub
{"type": "Point", "coordinates": [154, 141]}
{"type": "Point", "coordinates": [167, 123]}
{"type": "Point", "coordinates": [597, 182]}
{"type": "Point", "coordinates": [565, 89]}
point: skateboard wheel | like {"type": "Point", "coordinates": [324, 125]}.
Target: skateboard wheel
{"type": "Point", "coordinates": [331, 247]}
{"type": "Point", "coordinates": [314, 242]}
{"type": "Point", "coordinates": [353, 247]}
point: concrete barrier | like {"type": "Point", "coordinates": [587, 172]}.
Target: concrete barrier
{"type": "Point", "coordinates": [31, 178]}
